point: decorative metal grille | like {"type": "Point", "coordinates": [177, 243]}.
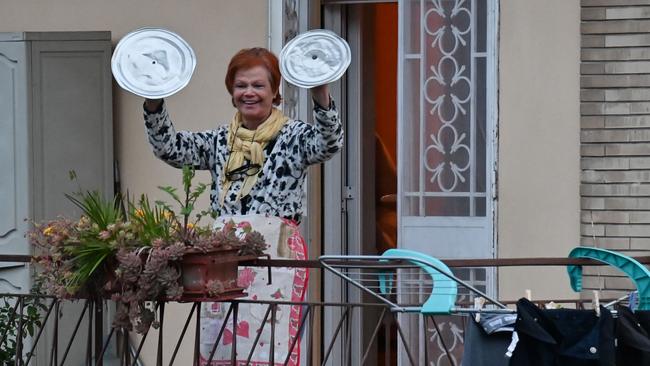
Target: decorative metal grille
{"type": "Point", "coordinates": [290, 29]}
{"type": "Point", "coordinates": [446, 334]}
{"type": "Point", "coordinates": [445, 60]}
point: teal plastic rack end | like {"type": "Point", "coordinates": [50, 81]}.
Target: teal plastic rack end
{"type": "Point", "coordinates": [632, 268]}
{"type": "Point", "coordinates": [443, 295]}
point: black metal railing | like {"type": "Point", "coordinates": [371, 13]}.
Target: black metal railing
{"type": "Point", "coordinates": [26, 318]}
{"type": "Point", "coordinates": [96, 342]}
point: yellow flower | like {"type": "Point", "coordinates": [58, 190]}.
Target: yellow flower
{"type": "Point", "coordinates": [168, 215]}
{"type": "Point", "coordinates": [190, 225]}
{"type": "Point", "coordinates": [48, 231]}
{"type": "Point", "coordinates": [138, 212]}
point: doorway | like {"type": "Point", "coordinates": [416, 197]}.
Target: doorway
{"type": "Point", "coordinates": [367, 170]}
{"type": "Point", "coordinates": [372, 166]}
{"type": "Point", "coordinates": [419, 109]}
{"type": "Point", "coordinates": [370, 156]}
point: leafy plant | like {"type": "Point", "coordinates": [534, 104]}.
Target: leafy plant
{"type": "Point", "coordinates": [99, 211]}
{"type": "Point", "coordinates": [90, 249]}
{"type": "Point", "coordinates": [78, 249]}
{"type": "Point", "coordinates": [10, 321]}
{"type": "Point", "coordinates": [187, 204]}
{"type": "Point", "coordinates": [151, 222]}
{"type": "Point", "coordinates": [133, 257]}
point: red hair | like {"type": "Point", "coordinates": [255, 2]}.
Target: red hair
{"type": "Point", "coordinates": [251, 57]}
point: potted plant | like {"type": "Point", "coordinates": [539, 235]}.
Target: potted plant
{"type": "Point", "coordinates": [141, 252]}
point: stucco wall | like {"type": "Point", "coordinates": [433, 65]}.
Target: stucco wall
{"type": "Point", "coordinates": [216, 29]}
{"type": "Point", "coordinates": [539, 166]}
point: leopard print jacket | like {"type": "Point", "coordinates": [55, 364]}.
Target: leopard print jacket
{"type": "Point", "coordinates": [279, 190]}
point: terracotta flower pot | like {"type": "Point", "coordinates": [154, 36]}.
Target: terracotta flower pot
{"type": "Point", "coordinates": [200, 269]}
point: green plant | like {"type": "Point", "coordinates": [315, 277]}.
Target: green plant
{"type": "Point", "coordinates": [133, 257]}
{"type": "Point", "coordinates": [91, 248]}
{"type": "Point", "coordinates": [187, 204]}
{"type": "Point", "coordinates": [10, 320]}
{"type": "Point", "coordinates": [100, 212]}
{"type": "Point", "coordinates": [78, 249]}
{"type": "Point", "coordinates": [151, 222]}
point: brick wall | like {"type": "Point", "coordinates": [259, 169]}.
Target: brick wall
{"type": "Point", "coordinates": [615, 133]}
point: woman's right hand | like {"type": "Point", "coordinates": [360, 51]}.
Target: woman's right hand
{"type": "Point", "coordinates": [152, 105]}
{"type": "Point", "coordinates": [321, 95]}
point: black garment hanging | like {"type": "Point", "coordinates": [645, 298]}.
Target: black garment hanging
{"type": "Point", "coordinates": [563, 337]}
{"type": "Point", "coordinates": [633, 343]}
{"type": "Point", "coordinates": [486, 343]}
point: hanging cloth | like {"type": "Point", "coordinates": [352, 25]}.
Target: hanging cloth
{"type": "Point", "coordinates": [289, 284]}
{"type": "Point", "coordinates": [486, 342]}
{"type": "Point", "coordinates": [561, 337]}
{"type": "Point", "coordinates": [633, 342]}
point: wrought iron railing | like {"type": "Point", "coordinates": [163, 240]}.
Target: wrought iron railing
{"type": "Point", "coordinates": [18, 321]}
{"type": "Point", "coordinates": [128, 352]}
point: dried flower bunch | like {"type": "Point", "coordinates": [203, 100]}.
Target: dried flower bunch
{"type": "Point", "coordinates": [131, 251]}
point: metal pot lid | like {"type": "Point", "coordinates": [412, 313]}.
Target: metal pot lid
{"type": "Point", "coordinates": [314, 58]}
{"type": "Point", "coordinates": [153, 62]}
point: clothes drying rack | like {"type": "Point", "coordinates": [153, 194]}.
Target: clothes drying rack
{"type": "Point", "coordinates": [411, 282]}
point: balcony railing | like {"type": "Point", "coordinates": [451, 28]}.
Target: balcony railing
{"type": "Point", "coordinates": [409, 335]}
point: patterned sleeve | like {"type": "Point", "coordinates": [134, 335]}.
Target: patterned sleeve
{"type": "Point", "coordinates": [324, 138]}
{"type": "Point", "coordinates": [178, 148]}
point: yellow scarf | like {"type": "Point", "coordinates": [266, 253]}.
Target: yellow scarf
{"type": "Point", "coordinates": [249, 145]}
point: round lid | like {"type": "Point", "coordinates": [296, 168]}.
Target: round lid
{"type": "Point", "coordinates": [153, 63]}
{"type": "Point", "coordinates": [314, 58]}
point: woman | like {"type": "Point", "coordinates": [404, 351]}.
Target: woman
{"type": "Point", "coordinates": [258, 164]}
{"type": "Point", "coordinates": [259, 160]}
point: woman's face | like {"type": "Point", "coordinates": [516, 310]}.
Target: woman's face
{"type": "Point", "coordinates": [252, 95]}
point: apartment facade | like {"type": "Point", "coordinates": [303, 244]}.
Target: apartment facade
{"type": "Point", "coordinates": [474, 128]}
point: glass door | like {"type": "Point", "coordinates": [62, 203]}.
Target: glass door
{"type": "Point", "coordinates": [447, 99]}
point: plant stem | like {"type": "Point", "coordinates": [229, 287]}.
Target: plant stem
{"type": "Point", "coordinates": [188, 174]}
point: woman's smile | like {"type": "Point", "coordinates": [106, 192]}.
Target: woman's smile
{"type": "Point", "coordinates": [253, 96]}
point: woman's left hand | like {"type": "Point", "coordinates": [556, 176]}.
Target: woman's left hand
{"type": "Point", "coordinates": [321, 95]}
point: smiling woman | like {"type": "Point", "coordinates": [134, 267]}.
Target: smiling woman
{"type": "Point", "coordinates": [253, 96]}
{"type": "Point", "coordinates": [259, 161]}
{"type": "Point", "coordinates": [258, 164]}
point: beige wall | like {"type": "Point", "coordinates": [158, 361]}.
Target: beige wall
{"type": "Point", "coordinates": [216, 29]}
{"type": "Point", "coordinates": [538, 185]}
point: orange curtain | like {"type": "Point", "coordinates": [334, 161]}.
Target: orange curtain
{"type": "Point", "coordinates": [385, 77]}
